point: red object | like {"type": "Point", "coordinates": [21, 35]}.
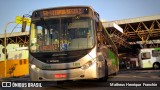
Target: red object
{"type": "Point", "coordinates": [60, 75]}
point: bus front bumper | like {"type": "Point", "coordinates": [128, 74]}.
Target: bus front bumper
{"type": "Point", "coordinates": [61, 75]}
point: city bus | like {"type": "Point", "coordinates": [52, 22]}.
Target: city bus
{"type": "Point", "coordinates": [149, 58]}
{"type": "Point", "coordinates": [70, 43]}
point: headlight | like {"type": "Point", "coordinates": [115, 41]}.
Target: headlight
{"type": "Point", "coordinates": [35, 68]}
{"type": "Point", "coordinates": [87, 65]}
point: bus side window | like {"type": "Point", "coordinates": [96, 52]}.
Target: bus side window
{"type": "Point", "coordinates": [146, 55]}
{"type": "Point", "coordinates": [155, 53]}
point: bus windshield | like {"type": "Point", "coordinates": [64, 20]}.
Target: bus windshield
{"type": "Point", "coordinates": [61, 34]}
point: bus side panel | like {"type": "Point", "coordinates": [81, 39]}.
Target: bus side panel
{"type": "Point", "coordinates": [111, 60]}
{"type": "Point", "coordinates": [146, 63]}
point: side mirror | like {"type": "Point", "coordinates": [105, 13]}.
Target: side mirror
{"type": "Point", "coordinates": [4, 50]}
{"type": "Point", "coordinates": [99, 35]}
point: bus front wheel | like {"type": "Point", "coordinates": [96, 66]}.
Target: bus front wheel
{"type": "Point", "coordinates": [105, 78]}
{"type": "Point", "coordinates": [156, 65]}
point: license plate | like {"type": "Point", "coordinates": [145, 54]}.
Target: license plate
{"type": "Point", "coordinates": [60, 75]}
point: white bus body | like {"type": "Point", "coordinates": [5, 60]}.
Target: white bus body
{"type": "Point", "coordinates": [149, 58]}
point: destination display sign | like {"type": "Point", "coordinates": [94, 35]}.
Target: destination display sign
{"type": "Point", "coordinates": [48, 47]}
{"type": "Point", "coordinates": [64, 11]}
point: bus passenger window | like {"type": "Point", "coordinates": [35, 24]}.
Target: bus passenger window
{"type": "Point", "coordinates": [146, 55]}
{"type": "Point", "coordinates": [155, 53]}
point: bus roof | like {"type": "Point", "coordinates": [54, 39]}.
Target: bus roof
{"type": "Point", "coordinates": [62, 7]}
{"type": "Point", "coordinates": [149, 49]}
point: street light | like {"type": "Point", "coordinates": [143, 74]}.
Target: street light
{"type": "Point", "coordinates": [18, 21]}
{"type": "Point", "coordinates": [5, 65]}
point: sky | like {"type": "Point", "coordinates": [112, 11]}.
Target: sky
{"type": "Point", "coordinates": [109, 10]}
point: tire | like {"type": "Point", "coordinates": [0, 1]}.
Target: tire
{"type": "Point", "coordinates": [106, 73]}
{"type": "Point", "coordinates": [105, 78]}
{"type": "Point", "coordinates": [156, 65]}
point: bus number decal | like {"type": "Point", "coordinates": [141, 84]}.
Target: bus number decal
{"type": "Point", "coordinates": [46, 67]}
{"type": "Point", "coordinates": [76, 64]}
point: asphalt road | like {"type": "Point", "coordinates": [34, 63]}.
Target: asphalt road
{"type": "Point", "coordinates": [143, 77]}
